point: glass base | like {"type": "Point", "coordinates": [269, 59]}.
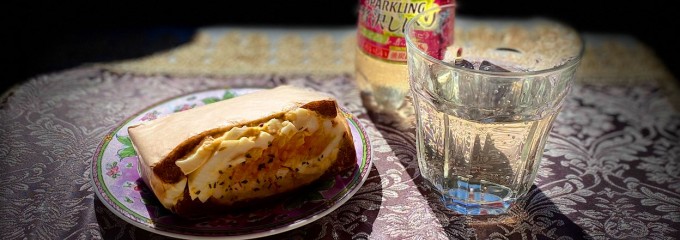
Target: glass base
{"type": "Point", "coordinates": [486, 204]}
{"type": "Point", "coordinates": [479, 198]}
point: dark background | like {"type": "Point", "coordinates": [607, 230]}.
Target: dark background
{"type": "Point", "coordinates": [49, 37]}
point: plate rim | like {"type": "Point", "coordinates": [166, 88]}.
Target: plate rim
{"type": "Point", "coordinates": [135, 220]}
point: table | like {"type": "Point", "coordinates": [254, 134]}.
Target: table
{"type": "Point", "coordinates": [611, 168]}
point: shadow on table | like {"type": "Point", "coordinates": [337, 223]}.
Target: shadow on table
{"type": "Point", "coordinates": [113, 227]}
{"type": "Point", "coordinates": [351, 220]}
{"type": "Point", "coordinates": [533, 217]}
{"type": "Point", "coordinates": [52, 50]}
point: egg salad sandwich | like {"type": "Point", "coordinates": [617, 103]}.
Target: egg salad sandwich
{"type": "Point", "coordinates": [244, 150]}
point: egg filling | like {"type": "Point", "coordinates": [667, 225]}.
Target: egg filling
{"type": "Point", "coordinates": [258, 161]}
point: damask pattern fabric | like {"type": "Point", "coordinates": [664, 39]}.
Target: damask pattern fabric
{"type": "Point", "coordinates": [611, 169]}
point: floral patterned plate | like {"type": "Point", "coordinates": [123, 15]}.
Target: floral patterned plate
{"type": "Point", "coordinates": [118, 185]}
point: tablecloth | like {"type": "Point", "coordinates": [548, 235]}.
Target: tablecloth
{"type": "Point", "coordinates": [611, 168]}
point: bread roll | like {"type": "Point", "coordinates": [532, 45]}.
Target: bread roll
{"type": "Point", "coordinates": [244, 150]}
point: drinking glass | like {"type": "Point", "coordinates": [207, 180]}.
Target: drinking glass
{"type": "Point", "coordinates": [485, 103]}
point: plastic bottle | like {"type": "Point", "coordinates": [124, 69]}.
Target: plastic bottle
{"type": "Point", "coordinates": [381, 72]}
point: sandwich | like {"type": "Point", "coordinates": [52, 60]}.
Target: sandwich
{"type": "Point", "coordinates": [242, 151]}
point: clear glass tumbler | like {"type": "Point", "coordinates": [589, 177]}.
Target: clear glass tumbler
{"type": "Point", "coordinates": [485, 103]}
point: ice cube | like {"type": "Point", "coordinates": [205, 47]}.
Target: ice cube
{"type": "Point", "coordinates": [488, 66]}
{"type": "Point", "coordinates": [464, 63]}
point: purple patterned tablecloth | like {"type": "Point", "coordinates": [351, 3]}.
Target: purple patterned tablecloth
{"type": "Point", "coordinates": [611, 168]}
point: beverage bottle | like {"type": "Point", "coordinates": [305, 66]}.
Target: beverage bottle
{"type": "Point", "coordinates": [380, 57]}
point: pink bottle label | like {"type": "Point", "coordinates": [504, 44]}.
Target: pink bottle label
{"type": "Point", "coordinates": [381, 26]}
